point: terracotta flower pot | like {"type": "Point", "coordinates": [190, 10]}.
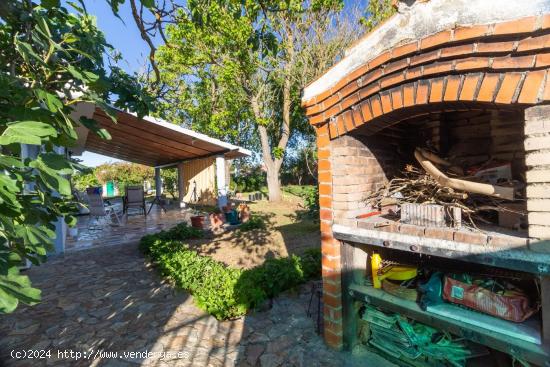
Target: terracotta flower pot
{"type": "Point", "coordinates": [197, 221]}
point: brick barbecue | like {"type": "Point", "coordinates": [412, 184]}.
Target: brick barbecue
{"type": "Point", "coordinates": [470, 79]}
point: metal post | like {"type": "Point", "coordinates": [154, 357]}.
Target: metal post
{"type": "Point", "coordinates": [221, 182]}
{"type": "Point", "coordinates": [181, 185]}
{"type": "Point", "coordinates": [158, 183]}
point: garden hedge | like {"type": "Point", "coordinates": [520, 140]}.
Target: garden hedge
{"type": "Point", "coordinates": [223, 291]}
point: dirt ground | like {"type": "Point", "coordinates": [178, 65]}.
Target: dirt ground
{"type": "Point", "coordinates": [288, 231]}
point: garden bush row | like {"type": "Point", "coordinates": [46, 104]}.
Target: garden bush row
{"type": "Point", "coordinates": [222, 291]}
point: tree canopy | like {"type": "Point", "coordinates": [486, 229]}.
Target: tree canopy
{"type": "Point", "coordinates": [235, 69]}
{"type": "Point", "coordinates": [51, 59]}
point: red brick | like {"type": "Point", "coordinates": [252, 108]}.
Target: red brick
{"type": "Point", "coordinates": [323, 141]}
{"type": "Point", "coordinates": [325, 202]}
{"type": "Point", "coordinates": [371, 77]}
{"type": "Point", "coordinates": [323, 165]}
{"type": "Point", "coordinates": [357, 116]}
{"type": "Point", "coordinates": [348, 89]}
{"type": "Point", "coordinates": [475, 238]}
{"type": "Point", "coordinates": [534, 43]}
{"type": "Point", "coordinates": [357, 73]}
{"type": "Point", "coordinates": [365, 111]}
{"type": "Point", "coordinates": [403, 50]}
{"type": "Point", "coordinates": [439, 233]}
{"type": "Point", "coordinates": [332, 301]}
{"type": "Point", "coordinates": [369, 91]}
{"type": "Point", "coordinates": [469, 87]}
{"type": "Point", "coordinates": [397, 98]}
{"type": "Point", "coordinates": [325, 214]}
{"type": "Point", "coordinates": [330, 262]}
{"type": "Point", "coordinates": [386, 102]}
{"type": "Point", "coordinates": [333, 129]}
{"type": "Point", "coordinates": [325, 226]}
{"type": "Point", "coordinates": [395, 66]}
{"type": "Point", "coordinates": [314, 109]}
{"type": "Point", "coordinates": [517, 62]}
{"type": "Point", "coordinates": [414, 73]}
{"type": "Point", "coordinates": [435, 40]}
{"type": "Point", "coordinates": [436, 93]}
{"type": "Point", "coordinates": [546, 95]}
{"type": "Point", "coordinates": [408, 94]}
{"type": "Point", "coordinates": [451, 90]}
{"type": "Point", "coordinates": [317, 119]}
{"type": "Point", "coordinates": [546, 22]}
{"type": "Point", "coordinates": [495, 47]}
{"type": "Point", "coordinates": [543, 60]}
{"type": "Point", "coordinates": [340, 125]}
{"type": "Point", "coordinates": [350, 101]}
{"type": "Point", "coordinates": [348, 120]}
{"type": "Point", "coordinates": [333, 340]}
{"type": "Point", "coordinates": [425, 57]}
{"type": "Point", "coordinates": [411, 229]}
{"type": "Point", "coordinates": [531, 86]}
{"type": "Point", "coordinates": [322, 130]}
{"type": "Point", "coordinates": [325, 177]}
{"type": "Point", "coordinates": [523, 25]}
{"type": "Point", "coordinates": [477, 31]}
{"type": "Point", "coordinates": [438, 68]}
{"type": "Point", "coordinates": [508, 88]}
{"type": "Point", "coordinates": [391, 80]}
{"type": "Point", "coordinates": [323, 153]}
{"type": "Point", "coordinates": [422, 93]}
{"type": "Point", "coordinates": [379, 60]}
{"type": "Point", "coordinates": [376, 106]}
{"type": "Point", "coordinates": [472, 63]}
{"type": "Point", "coordinates": [332, 313]}
{"type": "Point", "coordinates": [325, 189]}
{"type": "Point", "coordinates": [488, 88]}
{"type": "Point", "coordinates": [457, 50]}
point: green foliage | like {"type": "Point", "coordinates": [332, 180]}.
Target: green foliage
{"type": "Point", "coordinates": [170, 181]}
{"type": "Point", "coordinates": [223, 291]}
{"type": "Point", "coordinates": [253, 180]}
{"type": "Point", "coordinates": [254, 222]}
{"type": "Point", "coordinates": [377, 11]}
{"type": "Point", "coordinates": [310, 195]}
{"type": "Point", "coordinates": [50, 60]}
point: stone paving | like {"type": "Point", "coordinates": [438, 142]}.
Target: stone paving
{"type": "Point", "coordinates": [111, 300]}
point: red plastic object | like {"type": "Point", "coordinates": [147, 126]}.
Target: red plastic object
{"type": "Point", "coordinates": [366, 215]}
{"type": "Point", "coordinates": [513, 306]}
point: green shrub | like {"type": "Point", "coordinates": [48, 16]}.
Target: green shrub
{"type": "Point", "coordinates": [222, 291]}
{"type": "Point", "coordinates": [254, 222]}
{"type": "Point", "coordinates": [310, 195]}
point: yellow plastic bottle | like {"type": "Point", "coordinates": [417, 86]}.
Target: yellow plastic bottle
{"type": "Point", "coordinates": [375, 263]}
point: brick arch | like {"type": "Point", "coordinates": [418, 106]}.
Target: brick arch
{"type": "Point", "coordinates": [497, 64]}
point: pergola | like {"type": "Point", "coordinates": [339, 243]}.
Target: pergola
{"type": "Point", "coordinates": [155, 143]}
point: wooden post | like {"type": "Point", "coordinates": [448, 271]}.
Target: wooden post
{"type": "Point", "coordinates": [353, 271]}
{"type": "Point", "coordinates": [545, 310]}
{"type": "Point", "coordinates": [181, 185]}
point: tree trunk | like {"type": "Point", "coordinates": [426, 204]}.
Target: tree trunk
{"type": "Point", "coordinates": [274, 185]}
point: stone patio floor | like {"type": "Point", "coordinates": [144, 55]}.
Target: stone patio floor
{"type": "Point", "coordinates": [110, 300]}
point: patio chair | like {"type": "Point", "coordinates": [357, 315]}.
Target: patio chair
{"type": "Point", "coordinates": [134, 198]}
{"type": "Point", "coordinates": [99, 209]}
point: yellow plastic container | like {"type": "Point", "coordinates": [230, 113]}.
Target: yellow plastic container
{"type": "Point", "coordinates": [393, 272]}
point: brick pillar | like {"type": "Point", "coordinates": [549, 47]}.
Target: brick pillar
{"type": "Point", "coordinates": [330, 248]}
{"type": "Point", "coordinates": [537, 148]}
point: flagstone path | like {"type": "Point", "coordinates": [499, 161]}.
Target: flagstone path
{"type": "Point", "coordinates": [107, 302]}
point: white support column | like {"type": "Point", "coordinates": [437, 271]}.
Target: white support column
{"type": "Point", "coordinates": [181, 185]}
{"type": "Point", "coordinates": [158, 183]}
{"type": "Point", "coordinates": [221, 181]}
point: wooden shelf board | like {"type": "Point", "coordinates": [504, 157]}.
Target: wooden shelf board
{"type": "Point", "coordinates": [529, 351]}
{"type": "Point", "coordinates": [516, 259]}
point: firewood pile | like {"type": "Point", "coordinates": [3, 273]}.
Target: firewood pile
{"type": "Point", "coordinates": [428, 185]}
